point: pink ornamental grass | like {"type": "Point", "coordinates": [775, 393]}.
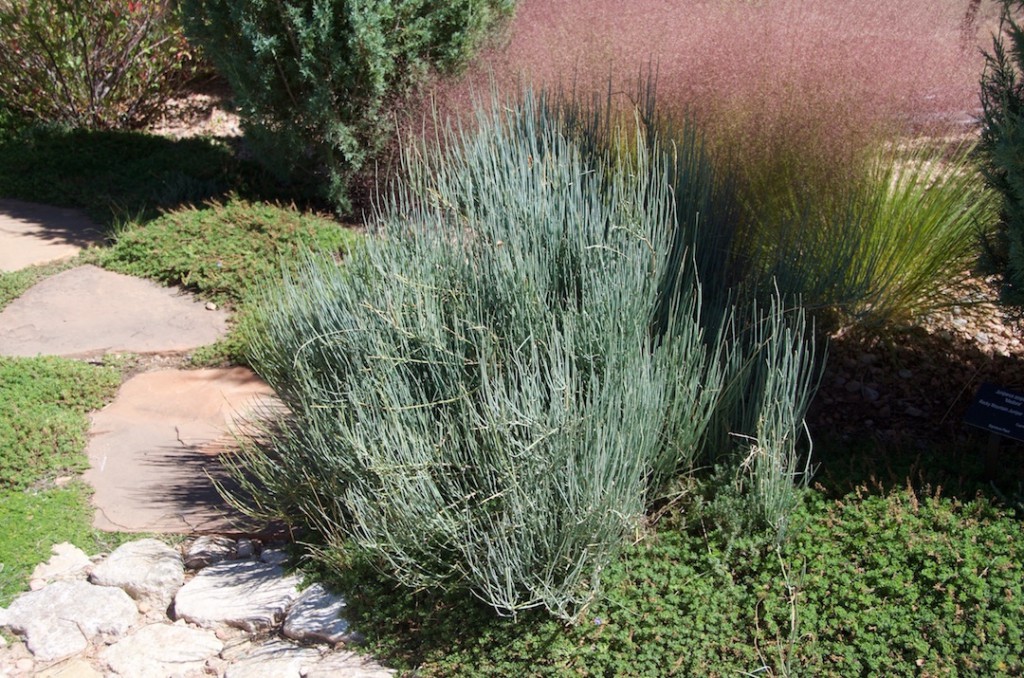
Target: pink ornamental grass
{"type": "Point", "coordinates": [837, 72]}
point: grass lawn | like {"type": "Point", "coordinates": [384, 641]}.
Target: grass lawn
{"type": "Point", "coordinates": [883, 582]}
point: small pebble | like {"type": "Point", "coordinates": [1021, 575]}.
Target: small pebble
{"type": "Point", "coordinates": [869, 394]}
{"type": "Point", "coordinates": [914, 412]}
{"type": "Point", "coordinates": [274, 556]}
{"type": "Point", "coordinates": [210, 306]}
{"type": "Point", "coordinates": [244, 548]}
{"type": "Point", "coordinates": [853, 386]}
{"type": "Point", "coordinates": [905, 374]}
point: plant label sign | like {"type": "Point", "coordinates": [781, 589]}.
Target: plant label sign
{"type": "Point", "coordinates": [998, 410]}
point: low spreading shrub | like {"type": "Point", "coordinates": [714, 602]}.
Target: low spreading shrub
{"type": "Point", "coordinates": [223, 250]}
{"type": "Point", "coordinates": [316, 81]}
{"type": "Point", "coordinates": [90, 63]}
{"type": "Point", "coordinates": [490, 394]}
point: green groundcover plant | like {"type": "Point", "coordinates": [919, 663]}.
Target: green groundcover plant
{"type": "Point", "coordinates": [42, 422]}
{"type": "Point", "coordinates": [492, 392]}
{"type": "Point", "coordinates": [90, 63]}
{"type": "Point", "coordinates": [908, 583]}
{"type": "Point", "coordinates": [316, 81]}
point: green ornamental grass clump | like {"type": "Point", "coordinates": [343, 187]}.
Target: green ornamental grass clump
{"type": "Point", "coordinates": [491, 393]}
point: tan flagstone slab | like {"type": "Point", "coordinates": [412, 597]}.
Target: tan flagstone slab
{"type": "Point", "coordinates": [88, 311]}
{"type": "Point", "coordinates": [36, 234]}
{"type": "Point", "coordinates": [151, 451]}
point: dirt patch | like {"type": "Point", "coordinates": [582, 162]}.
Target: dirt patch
{"type": "Point", "coordinates": [921, 379]}
{"type": "Point", "coordinates": [207, 110]}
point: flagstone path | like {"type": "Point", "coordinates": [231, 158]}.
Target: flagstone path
{"type": "Point", "coordinates": [216, 605]}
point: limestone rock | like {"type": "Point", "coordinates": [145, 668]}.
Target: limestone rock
{"type": "Point", "coordinates": [67, 562]}
{"type": "Point", "coordinates": [60, 620]}
{"type": "Point", "coordinates": [274, 556]}
{"type": "Point", "coordinates": [316, 617]}
{"type": "Point", "coordinates": [72, 668]}
{"type": "Point", "coordinates": [275, 659]}
{"type": "Point", "coordinates": [162, 651]}
{"type": "Point", "coordinates": [347, 665]}
{"type": "Point", "coordinates": [148, 570]}
{"type": "Point", "coordinates": [245, 594]}
{"type": "Point", "coordinates": [207, 550]}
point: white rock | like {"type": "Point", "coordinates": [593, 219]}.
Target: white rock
{"type": "Point", "coordinates": [347, 665]}
{"type": "Point", "coordinates": [245, 594]}
{"type": "Point", "coordinates": [274, 556]}
{"type": "Point", "coordinates": [72, 668]}
{"type": "Point", "coordinates": [67, 562]}
{"type": "Point", "coordinates": [207, 550]}
{"type": "Point", "coordinates": [60, 620]}
{"type": "Point", "coordinates": [162, 651]}
{"type": "Point", "coordinates": [275, 659]}
{"type": "Point", "coordinates": [149, 570]}
{"type": "Point", "coordinates": [316, 617]}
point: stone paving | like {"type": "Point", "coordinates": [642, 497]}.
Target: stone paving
{"type": "Point", "coordinates": [87, 312]}
{"type": "Point", "coordinates": [38, 234]}
{"type": "Point", "coordinates": [140, 612]}
{"type": "Point", "coordinates": [217, 605]}
{"type": "Point", "coordinates": [153, 450]}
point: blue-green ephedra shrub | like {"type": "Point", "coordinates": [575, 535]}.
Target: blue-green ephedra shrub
{"type": "Point", "coordinates": [490, 394]}
{"type": "Point", "coordinates": [316, 81]}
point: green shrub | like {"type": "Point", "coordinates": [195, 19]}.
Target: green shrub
{"type": "Point", "coordinates": [1002, 138]}
{"type": "Point", "coordinates": [118, 175]}
{"type": "Point", "coordinates": [90, 63]}
{"type": "Point", "coordinates": [316, 80]}
{"type": "Point", "coordinates": [489, 395]}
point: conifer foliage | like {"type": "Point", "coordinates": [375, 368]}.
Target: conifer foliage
{"type": "Point", "coordinates": [315, 80]}
{"type": "Point", "coordinates": [1002, 137]}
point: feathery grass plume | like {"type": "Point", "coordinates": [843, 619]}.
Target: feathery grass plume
{"type": "Point", "coordinates": [491, 392]}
